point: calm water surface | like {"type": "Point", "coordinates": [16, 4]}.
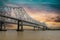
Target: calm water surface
{"type": "Point", "coordinates": [29, 35]}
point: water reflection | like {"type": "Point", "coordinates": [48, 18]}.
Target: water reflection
{"type": "Point", "coordinates": [20, 35]}
{"type": "Point", "coordinates": [29, 35]}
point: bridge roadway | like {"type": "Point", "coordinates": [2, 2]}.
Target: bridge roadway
{"type": "Point", "coordinates": [19, 23]}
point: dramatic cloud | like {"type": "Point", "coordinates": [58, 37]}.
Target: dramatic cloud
{"type": "Point", "coordinates": [48, 5]}
{"type": "Point", "coordinates": [58, 19]}
{"type": "Point", "coordinates": [41, 10]}
{"type": "Point", "coordinates": [3, 2]}
{"type": "Point", "coordinates": [36, 6]}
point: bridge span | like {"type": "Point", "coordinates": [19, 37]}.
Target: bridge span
{"type": "Point", "coordinates": [17, 15]}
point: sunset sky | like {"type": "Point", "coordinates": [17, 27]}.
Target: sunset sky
{"type": "Point", "coordinates": [42, 10]}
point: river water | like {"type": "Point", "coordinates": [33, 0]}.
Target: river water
{"type": "Point", "coordinates": [29, 35]}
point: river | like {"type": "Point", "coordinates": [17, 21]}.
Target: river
{"type": "Point", "coordinates": [29, 35]}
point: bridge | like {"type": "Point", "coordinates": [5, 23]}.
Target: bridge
{"type": "Point", "coordinates": [17, 15]}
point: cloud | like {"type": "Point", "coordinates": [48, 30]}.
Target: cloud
{"type": "Point", "coordinates": [48, 5]}
{"type": "Point", "coordinates": [58, 19]}
{"type": "Point", "coordinates": [3, 2]}
{"type": "Point", "coordinates": [36, 6]}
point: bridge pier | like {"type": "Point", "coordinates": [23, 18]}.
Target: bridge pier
{"type": "Point", "coordinates": [38, 28]}
{"type": "Point", "coordinates": [2, 28]}
{"type": "Point", "coordinates": [20, 24]}
{"type": "Point", "coordinates": [44, 28]}
{"type": "Point", "coordinates": [34, 28]}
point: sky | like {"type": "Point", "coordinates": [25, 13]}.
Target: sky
{"type": "Point", "coordinates": [41, 10]}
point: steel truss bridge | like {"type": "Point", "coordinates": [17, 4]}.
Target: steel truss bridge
{"type": "Point", "coordinates": [17, 15]}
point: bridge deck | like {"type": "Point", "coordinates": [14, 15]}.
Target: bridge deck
{"type": "Point", "coordinates": [26, 23]}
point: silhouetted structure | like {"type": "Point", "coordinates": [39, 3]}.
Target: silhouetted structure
{"type": "Point", "coordinates": [17, 15]}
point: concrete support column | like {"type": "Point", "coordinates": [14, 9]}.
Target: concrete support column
{"type": "Point", "coordinates": [1, 26]}
{"type": "Point", "coordinates": [21, 25]}
{"type": "Point", "coordinates": [34, 28]}
{"type": "Point", "coordinates": [18, 26]}
{"type": "Point", "coordinates": [39, 28]}
{"type": "Point", "coordinates": [4, 26]}
{"type": "Point", "coordinates": [44, 28]}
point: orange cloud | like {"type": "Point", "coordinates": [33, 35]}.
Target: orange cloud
{"type": "Point", "coordinates": [44, 16]}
